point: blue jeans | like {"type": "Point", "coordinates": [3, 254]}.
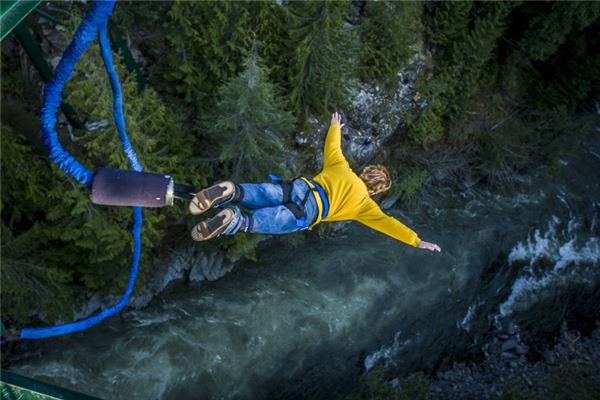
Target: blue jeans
{"type": "Point", "coordinates": [267, 213]}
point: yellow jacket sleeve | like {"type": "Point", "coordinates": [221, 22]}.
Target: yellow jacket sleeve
{"type": "Point", "coordinates": [332, 152]}
{"type": "Point", "coordinates": [374, 218]}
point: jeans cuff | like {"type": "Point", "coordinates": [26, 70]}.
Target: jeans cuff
{"type": "Point", "coordinates": [234, 198]}
{"type": "Point", "coordinates": [238, 195]}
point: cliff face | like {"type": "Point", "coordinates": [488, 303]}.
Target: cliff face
{"type": "Point", "coordinates": [568, 369]}
{"type": "Point", "coordinates": [374, 116]}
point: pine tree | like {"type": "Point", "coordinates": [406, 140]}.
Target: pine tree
{"type": "Point", "coordinates": [28, 282]}
{"type": "Point", "coordinates": [206, 44]}
{"type": "Point", "coordinates": [321, 61]}
{"type": "Point", "coordinates": [448, 24]}
{"type": "Point", "coordinates": [459, 73]}
{"type": "Point", "coordinates": [548, 30]}
{"type": "Point", "coordinates": [269, 21]}
{"type": "Point", "coordinates": [386, 32]}
{"type": "Point", "coordinates": [250, 124]}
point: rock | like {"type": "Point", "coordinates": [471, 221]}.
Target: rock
{"type": "Point", "coordinates": [510, 328]}
{"type": "Point", "coordinates": [502, 336]}
{"type": "Point", "coordinates": [522, 360]}
{"type": "Point", "coordinates": [513, 364]}
{"type": "Point", "coordinates": [549, 358]}
{"type": "Point", "coordinates": [520, 350]}
{"type": "Point", "coordinates": [509, 345]}
{"type": "Point", "coordinates": [209, 267]}
{"type": "Point", "coordinates": [508, 356]}
{"type": "Point", "coordinates": [93, 303]}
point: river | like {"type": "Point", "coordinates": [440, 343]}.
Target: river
{"type": "Point", "coordinates": [307, 319]}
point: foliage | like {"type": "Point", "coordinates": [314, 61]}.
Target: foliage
{"type": "Point", "coordinates": [241, 245]}
{"type": "Point", "coordinates": [249, 124]}
{"type": "Point", "coordinates": [387, 31]}
{"type": "Point", "coordinates": [409, 182]}
{"type": "Point", "coordinates": [457, 77]}
{"type": "Point", "coordinates": [565, 381]}
{"type": "Point", "coordinates": [320, 66]}
{"type": "Point", "coordinates": [207, 42]}
{"type": "Point", "coordinates": [27, 281]}
{"type": "Point", "coordinates": [548, 30]}
{"type": "Point", "coordinates": [374, 386]}
{"type": "Point", "coordinates": [271, 36]}
{"type": "Point", "coordinates": [563, 84]}
{"type": "Point", "coordinates": [507, 84]}
{"type": "Point", "coordinates": [56, 243]}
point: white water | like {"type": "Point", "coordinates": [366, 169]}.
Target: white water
{"type": "Point", "coordinates": [569, 262]}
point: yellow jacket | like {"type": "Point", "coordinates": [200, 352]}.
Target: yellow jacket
{"type": "Point", "coordinates": [348, 196]}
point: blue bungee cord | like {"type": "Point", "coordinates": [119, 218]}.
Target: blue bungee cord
{"type": "Point", "coordinates": [95, 22]}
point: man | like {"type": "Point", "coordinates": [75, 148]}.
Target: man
{"type": "Point", "coordinates": [335, 194]}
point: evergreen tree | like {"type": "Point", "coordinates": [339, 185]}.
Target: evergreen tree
{"type": "Point", "coordinates": [500, 69]}
{"type": "Point", "coordinates": [321, 60]}
{"type": "Point", "coordinates": [207, 42]}
{"type": "Point", "coordinates": [206, 45]}
{"type": "Point", "coordinates": [572, 78]}
{"type": "Point", "coordinates": [386, 33]}
{"type": "Point", "coordinates": [269, 27]}
{"type": "Point", "coordinates": [459, 74]}
{"type": "Point", "coordinates": [548, 30]}
{"type": "Point", "coordinates": [28, 282]}
{"type": "Point", "coordinates": [448, 24]}
{"type": "Point", "coordinates": [250, 124]}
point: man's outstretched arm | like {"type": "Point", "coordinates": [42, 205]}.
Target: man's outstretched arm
{"type": "Point", "coordinates": [376, 219]}
{"type": "Point", "coordinates": [332, 152]}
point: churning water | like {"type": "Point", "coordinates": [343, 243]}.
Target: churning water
{"type": "Point", "coordinates": [307, 320]}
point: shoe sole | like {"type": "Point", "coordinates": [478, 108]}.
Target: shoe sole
{"type": "Point", "coordinates": [205, 199]}
{"type": "Point", "coordinates": [212, 227]}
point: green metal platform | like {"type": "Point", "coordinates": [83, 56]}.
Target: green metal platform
{"type": "Point", "coordinates": [17, 387]}
{"type": "Point", "coordinates": [12, 12]}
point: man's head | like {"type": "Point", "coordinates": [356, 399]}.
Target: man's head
{"type": "Point", "coordinates": [376, 178]}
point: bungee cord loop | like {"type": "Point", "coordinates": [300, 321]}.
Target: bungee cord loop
{"type": "Point", "coordinates": [94, 23]}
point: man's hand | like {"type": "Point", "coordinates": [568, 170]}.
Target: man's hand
{"type": "Point", "coordinates": [336, 118]}
{"type": "Point", "coordinates": [429, 246]}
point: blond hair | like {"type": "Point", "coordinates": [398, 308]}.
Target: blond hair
{"type": "Point", "coordinates": [377, 178]}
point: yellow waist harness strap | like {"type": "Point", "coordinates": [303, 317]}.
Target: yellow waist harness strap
{"type": "Point", "coordinates": [318, 200]}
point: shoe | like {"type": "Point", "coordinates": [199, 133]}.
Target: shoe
{"type": "Point", "coordinates": [212, 227]}
{"type": "Point", "coordinates": [206, 198]}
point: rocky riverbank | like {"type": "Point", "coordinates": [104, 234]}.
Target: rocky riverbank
{"type": "Point", "coordinates": [568, 370]}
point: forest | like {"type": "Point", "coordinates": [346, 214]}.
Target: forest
{"type": "Point", "coordinates": [221, 90]}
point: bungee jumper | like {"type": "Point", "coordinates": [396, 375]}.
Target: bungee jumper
{"type": "Point", "coordinates": [335, 194]}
